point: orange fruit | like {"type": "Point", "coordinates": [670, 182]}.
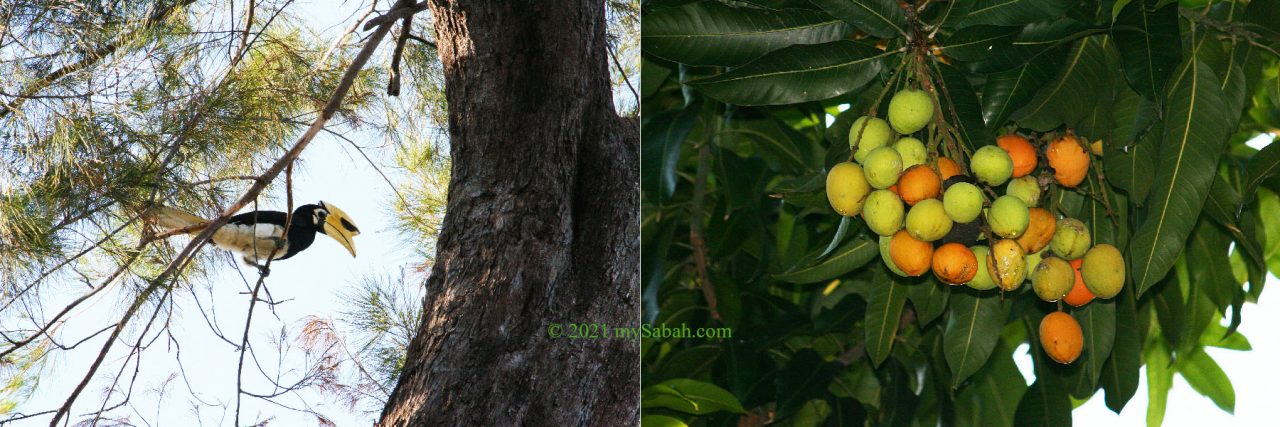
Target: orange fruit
{"type": "Point", "coordinates": [911, 255]}
{"type": "Point", "coordinates": [919, 182]}
{"type": "Point", "coordinates": [954, 263]}
{"type": "Point", "coordinates": [1069, 160]}
{"type": "Point", "coordinates": [1061, 337]}
{"type": "Point", "coordinates": [1021, 151]}
{"type": "Point", "coordinates": [1079, 295]}
{"type": "Point", "coordinates": [947, 168]}
{"type": "Point", "coordinates": [1039, 230]}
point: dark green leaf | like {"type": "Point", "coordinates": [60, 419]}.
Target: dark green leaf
{"type": "Point", "coordinates": [1195, 129]}
{"type": "Point", "coordinates": [1035, 40]}
{"type": "Point", "coordinates": [1170, 309]}
{"type": "Point", "coordinates": [796, 74]}
{"type": "Point", "coordinates": [664, 134]}
{"type": "Point", "coordinates": [1149, 44]}
{"type": "Point", "coordinates": [1131, 169]}
{"type": "Point", "coordinates": [880, 18]}
{"type": "Point", "coordinates": [841, 230]}
{"type": "Point", "coordinates": [1007, 91]}
{"type": "Point", "coordinates": [1134, 116]}
{"type": "Point", "coordinates": [1120, 373]}
{"type": "Point", "coordinates": [992, 399]}
{"type": "Point", "coordinates": [976, 43]}
{"type": "Point", "coordinates": [712, 33]}
{"type": "Point", "coordinates": [1081, 86]}
{"type": "Point", "coordinates": [1013, 12]}
{"type": "Point", "coordinates": [1098, 322]}
{"type": "Point", "coordinates": [929, 298]}
{"type": "Point", "coordinates": [689, 396]}
{"type": "Point", "coordinates": [972, 331]}
{"type": "Point", "coordinates": [965, 111]}
{"type": "Point", "coordinates": [805, 377]}
{"type": "Point", "coordinates": [852, 255]}
{"type": "Point", "coordinates": [1263, 165]}
{"type": "Point", "coordinates": [1206, 377]}
{"type": "Point", "coordinates": [1045, 405]}
{"type": "Point", "coordinates": [887, 296]}
{"type": "Point", "coordinates": [653, 266]}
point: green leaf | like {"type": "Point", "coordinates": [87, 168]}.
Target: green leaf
{"type": "Point", "coordinates": [653, 265]}
{"type": "Point", "coordinates": [929, 298]}
{"type": "Point", "coordinates": [1007, 91]}
{"type": "Point", "coordinates": [1098, 322]}
{"type": "Point", "coordinates": [805, 377]}
{"type": "Point", "coordinates": [1082, 85]}
{"type": "Point", "coordinates": [1159, 380]}
{"type": "Point", "coordinates": [796, 74]}
{"type": "Point", "coordinates": [1045, 405]}
{"type": "Point", "coordinates": [1170, 309]}
{"type": "Point", "coordinates": [1120, 373]}
{"type": "Point", "coordinates": [664, 134]}
{"type": "Point", "coordinates": [712, 33]}
{"type": "Point", "coordinates": [1013, 12]}
{"type": "Point", "coordinates": [841, 230]}
{"type": "Point", "coordinates": [689, 396]}
{"type": "Point", "coordinates": [852, 255]}
{"type": "Point", "coordinates": [1263, 165]}
{"type": "Point", "coordinates": [966, 111]}
{"type": "Point", "coordinates": [1211, 271]}
{"type": "Point", "coordinates": [660, 421]}
{"type": "Point", "coordinates": [1134, 116]}
{"type": "Point", "coordinates": [1206, 377]}
{"type": "Point", "coordinates": [992, 399]}
{"type": "Point", "coordinates": [1131, 170]}
{"type": "Point", "coordinates": [887, 296]}
{"type": "Point", "coordinates": [880, 18]}
{"type": "Point", "coordinates": [1195, 129]}
{"type": "Point", "coordinates": [1149, 44]}
{"type": "Point", "coordinates": [972, 331]}
{"type": "Point", "coordinates": [976, 42]}
{"type": "Point", "coordinates": [1035, 40]}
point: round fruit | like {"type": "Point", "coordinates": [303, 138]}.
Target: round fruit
{"type": "Point", "coordinates": [1052, 279]}
{"type": "Point", "coordinates": [954, 263]}
{"type": "Point", "coordinates": [947, 168]}
{"type": "Point", "coordinates": [1020, 151]}
{"type": "Point", "coordinates": [1103, 271]}
{"type": "Point", "coordinates": [912, 256]}
{"type": "Point", "coordinates": [963, 202]}
{"type": "Point", "coordinates": [928, 220]}
{"type": "Point", "coordinates": [1040, 229]}
{"type": "Point", "coordinates": [1007, 264]}
{"type": "Point", "coordinates": [918, 183]}
{"type": "Point", "coordinates": [1033, 261]}
{"type": "Point", "coordinates": [982, 279]}
{"type": "Point", "coordinates": [1071, 239]}
{"type": "Point", "coordinates": [847, 188]}
{"type": "Point", "coordinates": [956, 179]}
{"type": "Point", "coordinates": [883, 212]}
{"type": "Point", "coordinates": [887, 258]}
{"type": "Point", "coordinates": [1008, 217]}
{"type": "Point", "coordinates": [866, 134]}
{"type": "Point", "coordinates": [1068, 159]}
{"type": "Point", "coordinates": [965, 233]}
{"type": "Point", "coordinates": [1061, 337]}
{"type": "Point", "coordinates": [1079, 295]}
{"type": "Point", "coordinates": [912, 151]}
{"type": "Point", "coordinates": [882, 166]}
{"type": "Point", "coordinates": [910, 110]}
{"type": "Point", "coordinates": [991, 165]}
{"type": "Point", "coordinates": [1025, 188]}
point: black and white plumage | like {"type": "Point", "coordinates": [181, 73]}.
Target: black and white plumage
{"type": "Point", "coordinates": [256, 235]}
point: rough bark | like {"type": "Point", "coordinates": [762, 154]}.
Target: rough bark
{"type": "Point", "coordinates": [541, 228]}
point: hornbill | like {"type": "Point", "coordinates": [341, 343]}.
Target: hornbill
{"type": "Point", "coordinates": [256, 234]}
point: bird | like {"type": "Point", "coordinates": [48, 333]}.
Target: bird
{"type": "Point", "coordinates": [256, 235]}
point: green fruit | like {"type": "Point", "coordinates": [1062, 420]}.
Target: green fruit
{"type": "Point", "coordinates": [1033, 260]}
{"type": "Point", "coordinates": [888, 260]}
{"type": "Point", "coordinates": [928, 220]}
{"type": "Point", "coordinates": [847, 188]}
{"type": "Point", "coordinates": [1103, 271]}
{"type": "Point", "coordinates": [1025, 188]}
{"type": "Point", "coordinates": [912, 151]}
{"type": "Point", "coordinates": [1053, 279]}
{"type": "Point", "coordinates": [963, 202]}
{"type": "Point", "coordinates": [875, 135]}
{"type": "Point", "coordinates": [982, 280]}
{"type": "Point", "coordinates": [883, 212]}
{"type": "Point", "coordinates": [991, 165]}
{"type": "Point", "coordinates": [1071, 240]}
{"type": "Point", "coordinates": [882, 166]}
{"type": "Point", "coordinates": [910, 110]}
{"type": "Point", "coordinates": [1008, 217]}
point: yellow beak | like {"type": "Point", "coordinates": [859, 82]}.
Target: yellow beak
{"type": "Point", "coordinates": [340, 227]}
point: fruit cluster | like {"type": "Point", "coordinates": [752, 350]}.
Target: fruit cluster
{"type": "Point", "coordinates": [931, 215]}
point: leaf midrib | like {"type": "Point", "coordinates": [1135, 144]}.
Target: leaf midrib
{"type": "Point", "coordinates": [1182, 148]}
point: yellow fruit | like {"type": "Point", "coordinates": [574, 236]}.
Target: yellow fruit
{"type": "Point", "coordinates": [1071, 239]}
{"type": "Point", "coordinates": [911, 255]}
{"type": "Point", "coordinates": [982, 279]}
{"type": "Point", "coordinates": [910, 110]}
{"type": "Point", "coordinates": [1040, 230]}
{"type": "Point", "coordinates": [1061, 337]}
{"type": "Point", "coordinates": [1007, 264]}
{"type": "Point", "coordinates": [928, 220]}
{"type": "Point", "coordinates": [1052, 279]}
{"type": "Point", "coordinates": [1008, 217]}
{"type": "Point", "coordinates": [882, 167]}
{"type": "Point", "coordinates": [912, 151]}
{"type": "Point", "coordinates": [883, 212]}
{"type": "Point", "coordinates": [991, 165]}
{"type": "Point", "coordinates": [954, 264]}
{"type": "Point", "coordinates": [1103, 271]}
{"type": "Point", "coordinates": [847, 188]}
{"type": "Point", "coordinates": [963, 202]}
{"type": "Point", "coordinates": [1068, 159]}
{"type": "Point", "coordinates": [1025, 188]}
{"type": "Point", "coordinates": [866, 134]}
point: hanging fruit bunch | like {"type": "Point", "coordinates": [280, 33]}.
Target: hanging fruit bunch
{"type": "Point", "coordinates": [974, 218]}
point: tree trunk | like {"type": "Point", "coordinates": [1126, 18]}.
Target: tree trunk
{"type": "Point", "coordinates": [541, 228]}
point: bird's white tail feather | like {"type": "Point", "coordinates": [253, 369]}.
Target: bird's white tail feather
{"type": "Point", "coordinates": [169, 219]}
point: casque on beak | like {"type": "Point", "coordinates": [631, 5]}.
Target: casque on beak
{"type": "Point", "coordinates": [340, 227]}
